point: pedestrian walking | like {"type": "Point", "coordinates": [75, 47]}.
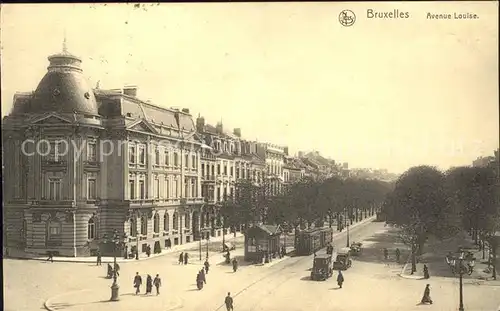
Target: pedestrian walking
{"type": "Point", "coordinates": [148, 250]}
{"type": "Point", "coordinates": [149, 284]}
{"type": "Point", "coordinates": [181, 258]}
{"type": "Point", "coordinates": [229, 302]}
{"type": "Point", "coordinates": [51, 257]}
{"type": "Point", "coordinates": [235, 264]}
{"type": "Point", "coordinates": [207, 266]}
{"type": "Point", "coordinates": [398, 255]}
{"type": "Point", "coordinates": [99, 258]}
{"type": "Point", "coordinates": [426, 298]}
{"type": "Point", "coordinates": [340, 279]}
{"type": "Point", "coordinates": [186, 257]}
{"type": "Point", "coordinates": [426, 272]}
{"type": "Point", "coordinates": [157, 284]}
{"type": "Point", "coordinates": [386, 254]}
{"type": "Point", "coordinates": [137, 283]}
{"type": "Point", "coordinates": [117, 268]}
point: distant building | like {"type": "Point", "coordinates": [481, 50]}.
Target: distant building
{"type": "Point", "coordinates": [483, 161]}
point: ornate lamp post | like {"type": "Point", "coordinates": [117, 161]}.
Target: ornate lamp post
{"type": "Point", "coordinates": [348, 221]}
{"type": "Point", "coordinates": [116, 239]}
{"type": "Point", "coordinates": [208, 241]}
{"type": "Point", "coordinates": [461, 264]}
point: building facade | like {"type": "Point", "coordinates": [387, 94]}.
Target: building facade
{"type": "Point", "coordinates": [82, 163]}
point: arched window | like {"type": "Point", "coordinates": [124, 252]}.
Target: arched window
{"type": "Point", "coordinates": [91, 229]}
{"type": "Point", "coordinates": [144, 225]}
{"type": "Point", "coordinates": [187, 220]}
{"type": "Point", "coordinates": [133, 227]}
{"type": "Point", "coordinates": [175, 221]}
{"type": "Point", "coordinates": [156, 223]}
{"type": "Point", "coordinates": [166, 222]}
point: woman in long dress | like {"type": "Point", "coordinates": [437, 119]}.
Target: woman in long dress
{"type": "Point", "coordinates": [149, 284]}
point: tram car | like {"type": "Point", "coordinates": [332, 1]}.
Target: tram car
{"type": "Point", "coordinates": [311, 240]}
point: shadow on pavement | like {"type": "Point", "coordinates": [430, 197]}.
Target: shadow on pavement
{"type": "Point", "coordinates": [335, 288]}
{"type": "Point", "coordinates": [306, 278]}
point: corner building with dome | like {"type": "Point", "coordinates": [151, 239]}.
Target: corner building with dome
{"type": "Point", "coordinates": [82, 165]}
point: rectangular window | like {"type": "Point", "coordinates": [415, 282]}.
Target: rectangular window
{"type": "Point", "coordinates": [91, 189]}
{"type": "Point", "coordinates": [225, 169]}
{"type": "Point", "coordinates": [55, 230]}
{"type": "Point", "coordinates": [237, 173]}
{"type": "Point", "coordinates": [218, 194]}
{"type": "Point", "coordinates": [131, 154]}
{"type": "Point", "coordinates": [157, 188]}
{"type": "Point", "coordinates": [131, 188]}
{"type": "Point", "coordinates": [231, 171]}
{"type": "Point", "coordinates": [142, 156]}
{"type": "Point", "coordinates": [218, 169]}
{"type": "Point", "coordinates": [202, 169]}
{"type": "Point", "coordinates": [167, 158]}
{"type": "Point", "coordinates": [142, 190]}
{"type": "Point", "coordinates": [167, 188]}
{"type": "Point", "coordinates": [193, 161]}
{"type": "Point", "coordinates": [186, 161]}
{"type": "Point", "coordinates": [157, 157]}
{"type": "Point", "coordinates": [213, 170]}
{"type": "Point", "coordinates": [186, 188]}
{"type": "Point", "coordinates": [176, 159]}
{"type": "Point", "coordinates": [179, 187]}
{"type": "Point", "coordinates": [55, 189]}
{"type": "Point", "coordinates": [92, 152]}
{"type": "Point", "coordinates": [193, 188]}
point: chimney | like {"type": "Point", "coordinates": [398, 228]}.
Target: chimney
{"type": "Point", "coordinates": [200, 124]}
{"type": "Point", "coordinates": [219, 128]}
{"type": "Point", "coordinates": [130, 90]}
{"type": "Point", "coordinates": [185, 110]}
{"type": "Point", "coordinates": [237, 132]}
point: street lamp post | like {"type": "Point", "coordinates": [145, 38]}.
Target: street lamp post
{"type": "Point", "coordinates": [208, 241]}
{"type": "Point", "coordinates": [347, 224]}
{"type": "Point", "coordinates": [115, 287]}
{"type": "Point", "coordinates": [463, 264]}
{"type": "Point", "coordinates": [200, 238]}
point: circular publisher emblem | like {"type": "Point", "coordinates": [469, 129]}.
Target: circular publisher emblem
{"type": "Point", "coordinates": [347, 18]}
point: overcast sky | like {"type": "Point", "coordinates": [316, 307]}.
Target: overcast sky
{"type": "Point", "coordinates": [381, 93]}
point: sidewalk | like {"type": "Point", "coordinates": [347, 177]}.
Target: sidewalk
{"type": "Point", "coordinates": [178, 248]}
{"type": "Point", "coordinates": [93, 300]}
{"type": "Point", "coordinates": [434, 258]}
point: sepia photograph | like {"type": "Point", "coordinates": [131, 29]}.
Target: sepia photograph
{"type": "Point", "coordinates": [250, 156]}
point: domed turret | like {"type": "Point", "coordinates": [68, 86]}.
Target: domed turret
{"type": "Point", "coordinates": [63, 89]}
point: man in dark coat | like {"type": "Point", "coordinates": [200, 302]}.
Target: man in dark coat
{"type": "Point", "coordinates": [137, 283]}
{"type": "Point", "coordinates": [426, 298]}
{"type": "Point", "coordinates": [426, 272]}
{"type": "Point", "coordinates": [186, 257]}
{"type": "Point", "coordinates": [202, 276]}
{"type": "Point", "coordinates": [398, 255]}
{"type": "Point", "coordinates": [99, 258]}
{"type": "Point", "coordinates": [229, 302]}
{"type": "Point", "coordinates": [157, 283]}
{"type": "Point", "coordinates": [181, 258]}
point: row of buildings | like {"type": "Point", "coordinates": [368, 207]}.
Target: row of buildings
{"type": "Point", "coordinates": [82, 163]}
